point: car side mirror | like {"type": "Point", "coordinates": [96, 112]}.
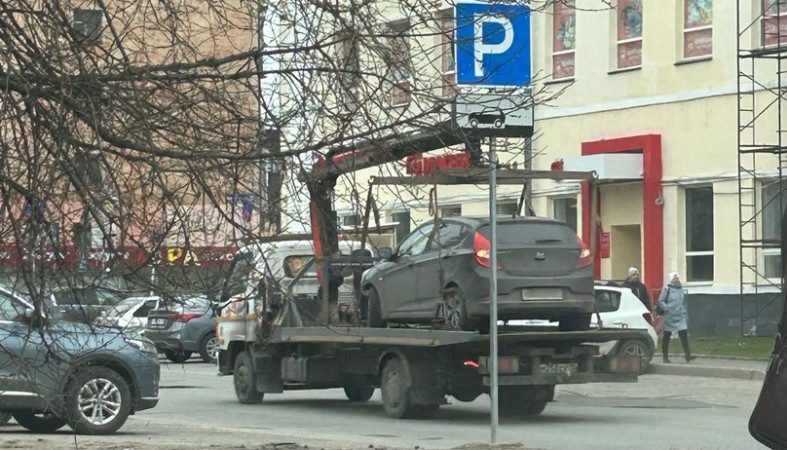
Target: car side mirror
{"type": "Point", "coordinates": [385, 253]}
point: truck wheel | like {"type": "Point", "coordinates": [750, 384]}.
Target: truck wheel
{"type": "Point", "coordinates": [637, 348]}
{"type": "Point", "coordinates": [245, 380]}
{"type": "Point", "coordinates": [523, 400]}
{"type": "Point", "coordinates": [39, 423]}
{"type": "Point", "coordinates": [575, 322]}
{"type": "Point", "coordinates": [358, 394]}
{"type": "Point", "coordinates": [374, 316]}
{"type": "Point", "coordinates": [97, 401]}
{"type": "Point", "coordinates": [208, 348]}
{"type": "Point", "coordinates": [394, 388]}
{"type": "Point", "coordinates": [177, 356]}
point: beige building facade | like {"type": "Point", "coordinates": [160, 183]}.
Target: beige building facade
{"type": "Point", "coordinates": [657, 79]}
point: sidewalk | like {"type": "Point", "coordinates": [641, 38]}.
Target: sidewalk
{"type": "Point", "coordinates": [706, 366]}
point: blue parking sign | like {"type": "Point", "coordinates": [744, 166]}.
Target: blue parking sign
{"type": "Point", "coordinates": [492, 44]}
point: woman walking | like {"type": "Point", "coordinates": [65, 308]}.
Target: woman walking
{"type": "Point", "coordinates": [672, 310]}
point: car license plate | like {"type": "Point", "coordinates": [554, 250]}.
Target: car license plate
{"type": "Point", "coordinates": [542, 294]}
{"type": "Point", "coordinates": [157, 322]}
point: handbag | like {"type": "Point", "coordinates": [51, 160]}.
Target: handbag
{"type": "Point", "coordinates": [659, 310]}
{"type": "Point", "coordinates": [767, 420]}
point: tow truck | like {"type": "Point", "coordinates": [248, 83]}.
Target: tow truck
{"type": "Point", "coordinates": [269, 347]}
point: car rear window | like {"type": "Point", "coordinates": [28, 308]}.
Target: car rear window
{"type": "Point", "coordinates": [190, 305]}
{"type": "Point", "coordinates": [607, 301]}
{"type": "Point", "coordinates": [531, 233]}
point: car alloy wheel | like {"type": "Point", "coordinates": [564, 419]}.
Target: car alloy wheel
{"type": "Point", "coordinates": [99, 401]}
{"type": "Point", "coordinates": [637, 348]}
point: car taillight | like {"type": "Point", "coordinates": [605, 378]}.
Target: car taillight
{"type": "Point", "coordinates": [648, 318]}
{"type": "Point", "coordinates": [184, 317]}
{"type": "Point", "coordinates": [585, 257]}
{"type": "Point", "coordinates": [481, 249]}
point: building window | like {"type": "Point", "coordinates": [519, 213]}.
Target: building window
{"type": "Point", "coordinates": [350, 64]}
{"type": "Point", "coordinates": [87, 26]}
{"type": "Point", "coordinates": [351, 220]}
{"type": "Point", "coordinates": [563, 39]}
{"type": "Point", "coordinates": [402, 220]}
{"type": "Point", "coordinates": [399, 64]}
{"type": "Point", "coordinates": [565, 209]}
{"type": "Point", "coordinates": [629, 30]}
{"type": "Point", "coordinates": [697, 28]}
{"type": "Point", "coordinates": [773, 22]}
{"type": "Point", "coordinates": [774, 202]}
{"type": "Point", "coordinates": [507, 209]}
{"type": "Point", "coordinates": [699, 234]}
{"type": "Point", "coordinates": [450, 211]}
{"type": "Point", "coordinates": [447, 59]}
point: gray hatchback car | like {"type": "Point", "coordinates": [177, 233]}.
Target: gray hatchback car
{"type": "Point", "coordinates": [440, 274]}
{"type": "Point", "coordinates": [54, 373]}
{"type": "Point", "coordinates": [184, 325]}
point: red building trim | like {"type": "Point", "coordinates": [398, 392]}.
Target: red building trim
{"type": "Point", "coordinates": [653, 214]}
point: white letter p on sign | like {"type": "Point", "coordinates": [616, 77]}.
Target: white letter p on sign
{"type": "Point", "coordinates": [480, 48]}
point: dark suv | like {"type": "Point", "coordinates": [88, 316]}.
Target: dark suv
{"type": "Point", "coordinates": [440, 274]}
{"type": "Point", "coordinates": [54, 373]}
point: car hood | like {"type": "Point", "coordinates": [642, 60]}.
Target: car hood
{"type": "Point", "coordinates": [78, 337]}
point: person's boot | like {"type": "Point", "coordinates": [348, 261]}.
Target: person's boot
{"type": "Point", "coordinates": [665, 348]}
{"type": "Point", "coordinates": [684, 340]}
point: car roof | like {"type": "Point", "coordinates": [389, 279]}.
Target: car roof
{"type": "Point", "coordinates": [482, 220]}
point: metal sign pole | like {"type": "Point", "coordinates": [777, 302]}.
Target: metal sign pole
{"type": "Point", "coordinates": [493, 283]}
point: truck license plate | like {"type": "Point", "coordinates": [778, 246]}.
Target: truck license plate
{"type": "Point", "coordinates": [567, 369]}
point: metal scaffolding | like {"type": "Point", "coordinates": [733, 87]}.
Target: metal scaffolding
{"type": "Point", "coordinates": [762, 154]}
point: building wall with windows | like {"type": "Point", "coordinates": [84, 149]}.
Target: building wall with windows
{"type": "Point", "coordinates": [665, 69]}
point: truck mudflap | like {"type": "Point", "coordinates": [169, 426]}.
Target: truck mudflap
{"type": "Point", "coordinates": [546, 366]}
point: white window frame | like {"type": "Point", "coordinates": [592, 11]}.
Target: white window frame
{"type": "Point", "coordinates": [401, 27]}
{"type": "Point", "coordinates": [572, 51]}
{"type": "Point", "coordinates": [763, 17]}
{"type": "Point", "coordinates": [687, 253]}
{"type": "Point", "coordinates": [767, 252]}
{"type": "Point", "coordinates": [447, 47]}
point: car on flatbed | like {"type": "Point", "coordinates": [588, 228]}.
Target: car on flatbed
{"type": "Point", "coordinates": [442, 270]}
{"type": "Point", "coordinates": [55, 372]}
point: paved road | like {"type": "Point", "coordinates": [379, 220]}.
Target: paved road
{"type": "Point", "coordinates": [659, 412]}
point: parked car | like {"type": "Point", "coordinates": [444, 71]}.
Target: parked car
{"type": "Point", "coordinates": [54, 372]}
{"type": "Point", "coordinates": [184, 325]}
{"type": "Point", "coordinates": [441, 272]}
{"type": "Point", "coordinates": [130, 314]}
{"type": "Point", "coordinates": [619, 307]}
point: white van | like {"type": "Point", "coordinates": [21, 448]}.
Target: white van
{"type": "Point", "coordinates": [259, 278]}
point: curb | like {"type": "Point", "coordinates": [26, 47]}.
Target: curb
{"type": "Point", "coordinates": [693, 370]}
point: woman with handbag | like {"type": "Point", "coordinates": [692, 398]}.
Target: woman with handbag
{"type": "Point", "coordinates": [672, 309]}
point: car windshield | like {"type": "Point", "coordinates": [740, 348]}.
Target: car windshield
{"type": "Point", "coordinates": [531, 233]}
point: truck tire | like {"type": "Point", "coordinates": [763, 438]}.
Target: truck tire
{"type": "Point", "coordinates": [575, 322]}
{"type": "Point", "coordinates": [394, 387]}
{"type": "Point", "coordinates": [39, 423]}
{"type": "Point", "coordinates": [374, 316]}
{"type": "Point", "coordinates": [523, 400]}
{"type": "Point", "coordinates": [97, 401]}
{"type": "Point", "coordinates": [637, 348]}
{"type": "Point", "coordinates": [208, 347]}
{"type": "Point", "coordinates": [245, 380]}
{"type": "Point", "coordinates": [357, 393]}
